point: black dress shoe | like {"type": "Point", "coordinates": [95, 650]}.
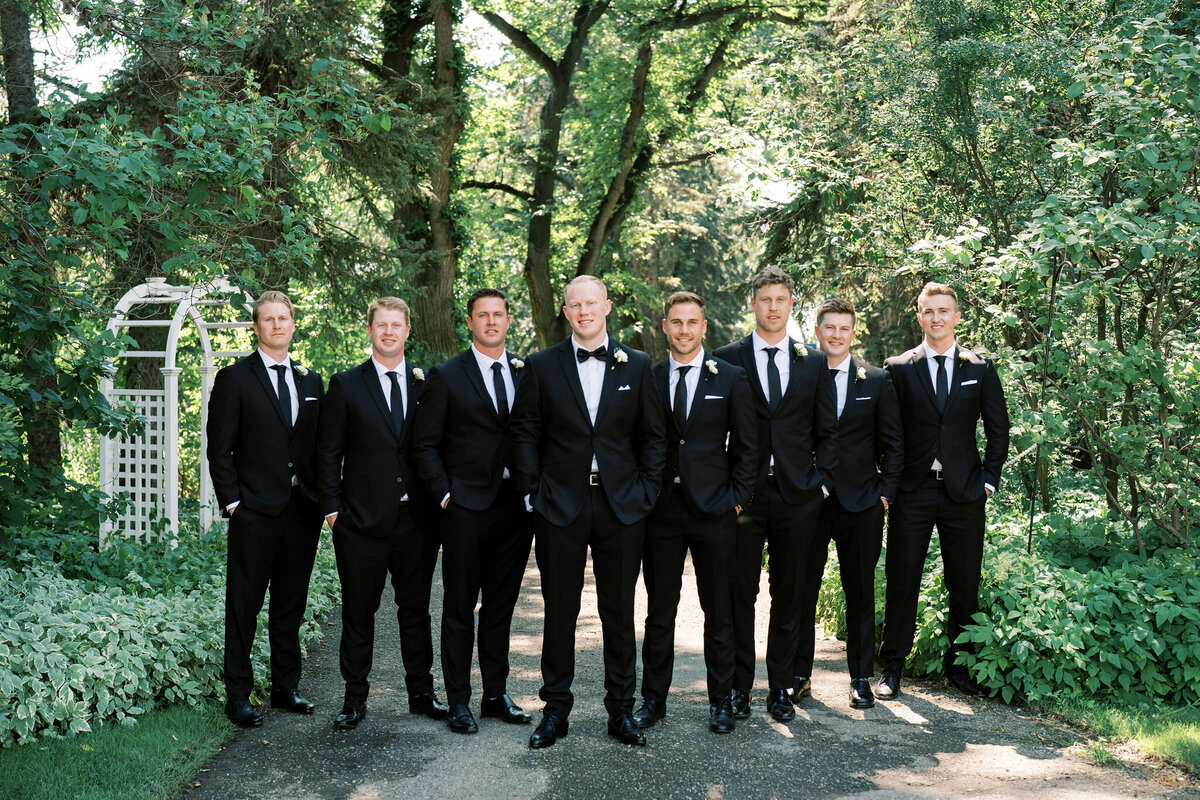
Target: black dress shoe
{"type": "Point", "coordinates": [503, 708]}
{"type": "Point", "coordinates": [242, 714]}
{"type": "Point", "coordinates": [888, 687]}
{"type": "Point", "coordinates": [779, 705]}
{"type": "Point", "coordinates": [961, 679]}
{"type": "Point", "coordinates": [427, 705]}
{"type": "Point", "coordinates": [352, 714]}
{"type": "Point", "coordinates": [720, 716]}
{"type": "Point", "coordinates": [288, 700]}
{"type": "Point", "coordinates": [624, 730]}
{"type": "Point", "coordinates": [461, 720]}
{"type": "Point", "coordinates": [650, 712]}
{"type": "Point", "coordinates": [549, 730]}
{"type": "Point", "coordinates": [860, 693]}
{"type": "Point", "coordinates": [740, 701]}
{"type": "Point", "coordinates": [802, 688]}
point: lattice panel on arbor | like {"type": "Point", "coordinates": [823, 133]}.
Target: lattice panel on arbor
{"type": "Point", "coordinates": [139, 466]}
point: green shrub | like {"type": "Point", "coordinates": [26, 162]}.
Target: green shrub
{"type": "Point", "coordinates": [75, 652]}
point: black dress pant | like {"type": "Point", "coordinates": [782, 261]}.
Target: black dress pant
{"type": "Point", "coordinates": [261, 552]}
{"type": "Point", "coordinates": [910, 527]}
{"type": "Point", "coordinates": [787, 530]}
{"type": "Point", "coordinates": [859, 539]}
{"type": "Point", "coordinates": [561, 558]}
{"type": "Point", "coordinates": [670, 533]}
{"type": "Point", "coordinates": [483, 553]}
{"type": "Point", "coordinates": [409, 554]}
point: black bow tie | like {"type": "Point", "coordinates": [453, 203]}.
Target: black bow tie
{"type": "Point", "coordinates": [583, 355]}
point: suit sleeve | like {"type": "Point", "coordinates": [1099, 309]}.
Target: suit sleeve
{"type": "Point", "coordinates": [223, 430]}
{"type": "Point", "coordinates": [652, 436]}
{"type": "Point", "coordinates": [889, 439]}
{"type": "Point", "coordinates": [994, 409]}
{"type": "Point", "coordinates": [526, 424]}
{"type": "Point", "coordinates": [428, 427]}
{"type": "Point", "coordinates": [331, 446]}
{"type": "Point", "coordinates": [743, 441]}
{"type": "Point", "coordinates": [825, 426]}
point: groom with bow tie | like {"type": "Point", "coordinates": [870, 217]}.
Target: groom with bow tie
{"type": "Point", "coordinates": [589, 446]}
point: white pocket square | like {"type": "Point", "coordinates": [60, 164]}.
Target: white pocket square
{"type": "Point", "coordinates": [624, 388]}
{"type": "Point", "coordinates": [968, 383]}
{"type": "Point", "coordinates": [868, 397]}
{"type": "Point", "coordinates": [714, 397]}
{"type": "Point", "coordinates": [309, 398]}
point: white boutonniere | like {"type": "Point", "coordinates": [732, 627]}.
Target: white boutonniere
{"type": "Point", "coordinates": [963, 355]}
{"type": "Point", "coordinates": [801, 350]}
{"type": "Point", "coordinates": [862, 374]}
{"type": "Point", "coordinates": [299, 369]}
{"type": "Point", "coordinates": [418, 374]}
{"type": "Point", "coordinates": [619, 356]}
{"type": "Point", "coordinates": [516, 363]}
{"type": "Point", "coordinates": [712, 366]}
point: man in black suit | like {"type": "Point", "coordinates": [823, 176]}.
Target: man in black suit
{"type": "Point", "coordinates": [944, 391]}
{"type": "Point", "coordinates": [381, 516]}
{"type": "Point", "coordinates": [262, 430]}
{"type": "Point", "coordinates": [588, 441]}
{"type": "Point", "coordinates": [463, 453]}
{"type": "Point", "coordinates": [706, 483]}
{"type": "Point", "coordinates": [870, 454]}
{"type": "Point", "coordinates": [797, 439]}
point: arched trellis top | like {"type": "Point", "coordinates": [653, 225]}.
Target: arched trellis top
{"type": "Point", "coordinates": [144, 468]}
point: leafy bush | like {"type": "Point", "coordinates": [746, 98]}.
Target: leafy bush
{"type": "Point", "coordinates": [82, 648]}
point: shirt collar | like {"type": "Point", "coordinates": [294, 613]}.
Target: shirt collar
{"type": "Point", "coordinates": [577, 346]}
{"type": "Point", "coordinates": [270, 362]}
{"type": "Point", "coordinates": [382, 371]}
{"type": "Point", "coordinates": [759, 342]}
{"type": "Point", "coordinates": [930, 352]}
{"type": "Point", "coordinates": [844, 366]}
{"type": "Point", "coordinates": [485, 361]}
{"type": "Point", "coordinates": [696, 361]}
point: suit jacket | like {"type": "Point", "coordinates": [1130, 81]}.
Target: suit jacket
{"type": "Point", "coordinates": [714, 476]}
{"type": "Point", "coordinates": [364, 465]}
{"type": "Point", "coordinates": [975, 394]}
{"type": "Point", "coordinates": [252, 452]}
{"type": "Point", "coordinates": [870, 439]}
{"type": "Point", "coordinates": [802, 432]}
{"type": "Point", "coordinates": [554, 439]}
{"type": "Point", "coordinates": [460, 445]}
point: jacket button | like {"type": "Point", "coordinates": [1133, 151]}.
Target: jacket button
{"type": "Point", "coordinates": [681, 441]}
{"type": "Point", "coordinates": [399, 480]}
{"type": "Point", "coordinates": [289, 463]}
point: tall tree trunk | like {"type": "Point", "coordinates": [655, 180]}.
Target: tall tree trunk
{"type": "Point", "coordinates": [43, 435]}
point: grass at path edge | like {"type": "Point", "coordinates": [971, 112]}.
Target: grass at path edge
{"type": "Point", "coordinates": [1170, 733]}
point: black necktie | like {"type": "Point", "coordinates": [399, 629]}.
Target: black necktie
{"type": "Point", "coordinates": [833, 373]}
{"type": "Point", "coordinates": [774, 385]}
{"type": "Point", "coordinates": [681, 396]}
{"type": "Point", "coordinates": [397, 400]}
{"type": "Point", "coordinates": [942, 388]}
{"type": "Point", "coordinates": [285, 394]}
{"type": "Point", "coordinates": [501, 391]}
{"type": "Point", "coordinates": [583, 355]}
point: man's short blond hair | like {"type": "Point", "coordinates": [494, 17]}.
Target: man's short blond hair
{"type": "Point", "coordinates": [582, 279]}
{"type": "Point", "coordinates": [272, 296]}
{"type": "Point", "coordinates": [391, 304]}
{"type": "Point", "coordinates": [933, 289]}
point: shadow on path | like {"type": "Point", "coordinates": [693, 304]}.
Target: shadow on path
{"type": "Point", "coordinates": [931, 743]}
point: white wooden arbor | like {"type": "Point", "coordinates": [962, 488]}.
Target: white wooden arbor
{"type": "Point", "coordinates": [145, 467]}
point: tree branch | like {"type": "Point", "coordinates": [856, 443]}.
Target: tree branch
{"type": "Point", "coordinates": [499, 186]}
{"type": "Point", "coordinates": [522, 42]}
{"type": "Point", "coordinates": [692, 159]}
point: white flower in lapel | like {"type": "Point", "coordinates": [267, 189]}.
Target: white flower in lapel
{"type": "Point", "coordinates": [418, 374]}
{"type": "Point", "coordinates": [801, 350]}
{"type": "Point", "coordinates": [963, 355]}
{"type": "Point", "coordinates": [712, 366]}
{"type": "Point", "coordinates": [619, 357]}
{"type": "Point", "coordinates": [516, 363]}
{"type": "Point", "coordinates": [299, 369]}
{"type": "Point", "coordinates": [862, 374]}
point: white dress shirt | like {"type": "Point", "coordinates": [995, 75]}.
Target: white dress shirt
{"type": "Point", "coordinates": [591, 377]}
{"type": "Point", "coordinates": [782, 360]}
{"type": "Point", "coordinates": [691, 380]}
{"type": "Point", "coordinates": [485, 363]}
{"type": "Point", "coordinates": [841, 383]}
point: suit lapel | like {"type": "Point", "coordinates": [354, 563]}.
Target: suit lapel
{"type": "Point", "coordinates": [371, 383]}
{"type": "Point", "coordinates": [260, 371]}
{"type": "Point", "coordinates": [750, 364]}
{"type": "Point", "coordinates": [795, 360]}
{"type": "Point", "coordinates": [923, 376]}
{"type": "Point", "coordinates": [471, 367]}
{"type": "Point", "coordinates": [517, 374]}
{"type": "Point", "coordinates": [612, 374]}
{"type": "Point", "coordinates": [702, 387]}
{"type": "Point", "coordinates": [662, 383]}
{"type": "Point", "coordinates": [567, 362]}
{"type": "Point", "coordinates": [959, 374]}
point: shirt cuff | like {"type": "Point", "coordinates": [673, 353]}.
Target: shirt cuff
{"type": "Point", "coordinates": [824, 490]}
{"type": "Point", "coordinates": [444, 499]}
{"type": "Point", "coordinates": [990, 488]}
{"type": "Point", "coordinates": [528, 505]}
{"type": "Point", "coordinates": [233, 505]}
{"type": "Point", "coordinates": [331, 514]}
